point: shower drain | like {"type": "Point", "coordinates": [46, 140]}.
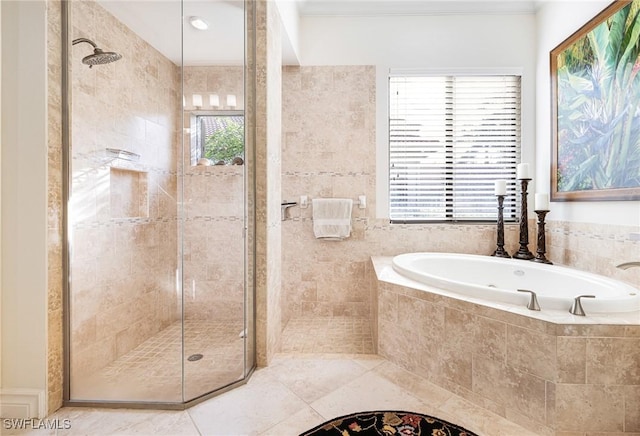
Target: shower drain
{"type": "Point", "coordinates": [194, 357]}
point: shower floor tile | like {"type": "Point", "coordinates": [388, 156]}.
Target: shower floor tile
{"type": "Point", "coordinates": [327, 335]}
{"type": "Point", "coordinates": [153, 370]}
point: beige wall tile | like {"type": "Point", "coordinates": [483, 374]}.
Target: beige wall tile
{"type": "Point", "coordinates": [589, 408]}
{"type": "Point", "coordinates": [632, 408]}
{"type": "Point", "coordinates": [425, 319]}
{"type": "Point", "coordinates": [591, 330]}
{"type": "Point", "coordinates": [551, 404]}
{"type": "Point", "coordinates": [613, 361]}
{"type": "Point", "coordinates": [571, 359]}
{"type": "Point", "coordinates": [490, 339]}
{"type": "Point", "coordinates": [268, 184]}
{"type": "Point", "coordinates": [532, 352]}
{"type": "Point", "coordinates": [596, 248]}
{"type": "Point", "coordinates": [55, 207]}
{"type": "Point", "coordinates": [455, 366]}
{"type": "Point", "coordinates": [499, 381]}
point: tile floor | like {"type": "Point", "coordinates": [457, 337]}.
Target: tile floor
{"type": "Point", "coordinates": [153, 370]}
{"type": "Point", "coordinates": [295, 393]}
{"type": "Point", "coordinates": [334, 334]}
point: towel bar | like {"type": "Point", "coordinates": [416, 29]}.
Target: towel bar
{"type": "Point", "coordinates": [361, 202]}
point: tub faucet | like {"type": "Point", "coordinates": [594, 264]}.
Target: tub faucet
{"type": "Point", "coordinates": [576, 308]}
{"type": "Point", "coordinates": [628, 265]}
{"type": "Point", "coordinates": [533, 302]}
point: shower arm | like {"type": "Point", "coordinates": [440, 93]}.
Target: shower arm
{"type": "Point", "coordinates": [79, 40]}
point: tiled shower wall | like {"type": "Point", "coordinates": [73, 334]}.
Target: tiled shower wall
{"type": "Point", "coordinates": [123, 213]}
{"type": "Point", "coordinates": [54, 207]}
{"type": "Point", "coordinates": [268, 138]}
{"type": "Point", "coordinates": [328, 150]}
{"type": "Point", "coordinates": [214, 213]}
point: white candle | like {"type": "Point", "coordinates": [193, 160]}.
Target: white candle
{"type": "Point", "coordinates": [231, 100]}
{"type": "Point", "coordinates": [501, 187]}
{"type": "Point", "coordinates": [541, 202]}
{"type": "Point", "coordinates": [522, 171]}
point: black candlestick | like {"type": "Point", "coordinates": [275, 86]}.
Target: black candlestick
{"type": "Point", "coordinates": [500, 252]}
{"type": "Point", "coordinates": [542, 247]}
{"type": "Point", "coordinates": [523, 252]}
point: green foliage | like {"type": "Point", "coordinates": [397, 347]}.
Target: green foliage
{"type": "Point", "coordinates": [598, 114]}
{"type": "Point", "coordinates": [225, 143]}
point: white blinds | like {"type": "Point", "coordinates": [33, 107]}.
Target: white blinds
{"type": "Point", "coordinates": [450, 138]}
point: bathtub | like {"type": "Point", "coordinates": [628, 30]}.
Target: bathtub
{"type": "Point", "coordinates": [498, 279]}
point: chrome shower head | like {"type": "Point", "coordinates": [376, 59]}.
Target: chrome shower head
{"type": "Point", "coordinates": [98, 57]}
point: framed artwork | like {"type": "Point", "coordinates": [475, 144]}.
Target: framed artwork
{"type": "Point", "coordinates": [595, 107]}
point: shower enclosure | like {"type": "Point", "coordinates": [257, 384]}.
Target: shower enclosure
{"type": "Point", "coordinates": [159, 219]}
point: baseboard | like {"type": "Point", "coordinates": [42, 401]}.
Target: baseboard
{"type": "Point", "coordinates": [22, 403]}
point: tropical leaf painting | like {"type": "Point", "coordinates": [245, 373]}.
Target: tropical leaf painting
{"type": "Point", "coordinates": [597, 118]}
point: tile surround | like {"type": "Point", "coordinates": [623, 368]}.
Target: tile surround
{"type": "Point", "coordinates": [547, 376]}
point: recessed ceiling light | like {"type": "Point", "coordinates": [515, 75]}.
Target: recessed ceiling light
{"type": "Point", "coordinates": [198, 23]}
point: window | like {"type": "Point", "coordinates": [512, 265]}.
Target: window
{"type": "Point", "coordinates": [219, 136]}
{"type": "Point", "coordinates": [450, 139]}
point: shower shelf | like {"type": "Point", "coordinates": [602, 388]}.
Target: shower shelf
{"type": "Point", "coordinates": [123, 154]}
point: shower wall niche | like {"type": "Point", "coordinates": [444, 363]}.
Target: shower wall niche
{"type": "Point", "coordinates": [158, 275]}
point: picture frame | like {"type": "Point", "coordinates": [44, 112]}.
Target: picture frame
{"type": "Point", "coordinates": [595, 108]}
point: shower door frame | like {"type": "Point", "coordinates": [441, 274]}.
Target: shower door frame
{"type": "Point", "coordinates": [249, 357]}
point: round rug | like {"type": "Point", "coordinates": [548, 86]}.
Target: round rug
{"type": "Point", "coordinates": [387, 423]}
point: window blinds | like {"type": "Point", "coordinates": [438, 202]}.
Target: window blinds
{"type": "Point", "coordinates": [450, 139]}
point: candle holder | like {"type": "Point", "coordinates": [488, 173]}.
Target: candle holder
{"type": "Point", "coordinates": [500, 252]}
{"type": "Point", "coordinates": [542, 247]}
{"type": "Point", "coordinates": [523, 252]}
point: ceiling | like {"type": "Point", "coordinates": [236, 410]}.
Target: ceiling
{"type": "Point", "coordinates": [414, 7]}
{"type": "Point", "coordinates": [158, 22]}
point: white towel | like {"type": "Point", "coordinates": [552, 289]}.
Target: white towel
{"type": "Point", "coordinates": [332, 218]}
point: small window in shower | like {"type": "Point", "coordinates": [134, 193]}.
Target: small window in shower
{"type": "Point", "coordinates": [218, 137]}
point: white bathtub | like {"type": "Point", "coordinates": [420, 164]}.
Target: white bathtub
{"type": "Point", "coordinates": [497, 279]}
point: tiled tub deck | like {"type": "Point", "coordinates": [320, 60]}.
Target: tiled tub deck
{"type": "Point", "coordinates": [549, 371]}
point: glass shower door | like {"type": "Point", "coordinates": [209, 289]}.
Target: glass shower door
{"type": "Point", "coordinates": [160, 200]}
{"type": "Point", "coordinates": [215, 216]}
{"type": "Point", "coordinates": [124, 296]}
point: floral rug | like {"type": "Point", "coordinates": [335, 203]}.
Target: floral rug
{"type": "Point", "coordinates": [387, 423]}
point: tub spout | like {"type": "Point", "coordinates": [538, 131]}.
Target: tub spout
{"type": "Point", "coordinates": [628, 265]}
{"type": "Point", "coordinates": [576, 308]}
{"type": "Point", "coordinates": [284, 207]}
{"type": "Point", "coordinates": [533, 302]}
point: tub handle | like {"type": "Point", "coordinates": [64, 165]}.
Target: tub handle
{"type": "Point", "coordinates": [533, 302]}
{"type": "Point", "coordinates": [576, 308]}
